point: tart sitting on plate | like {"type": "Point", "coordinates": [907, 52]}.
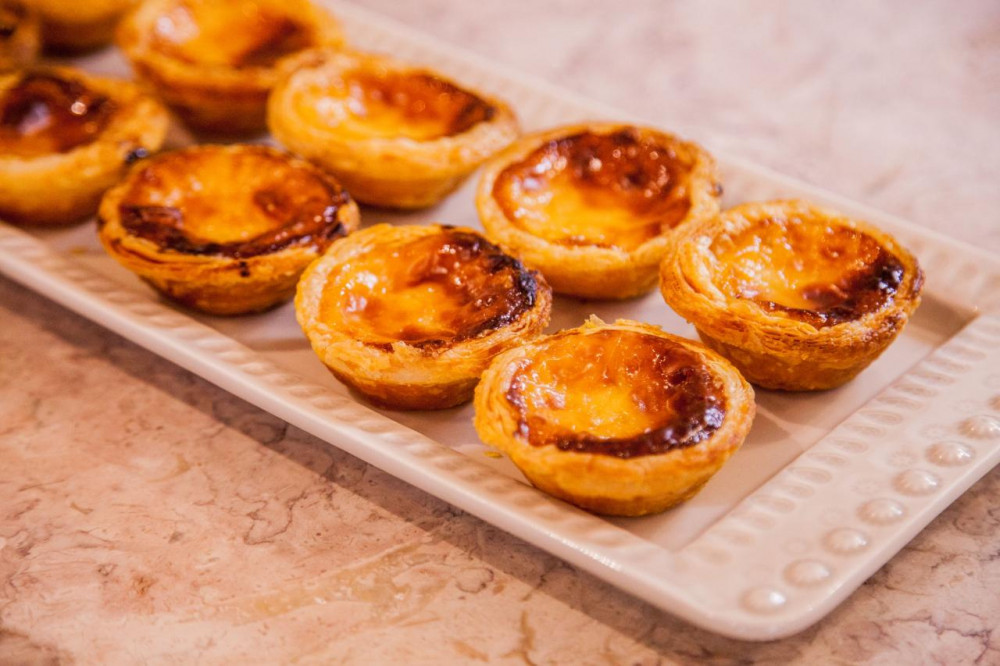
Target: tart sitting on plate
{"type": "Point", "coordinates": [214, 61]}
{"type": "Point", "coordinates": [224, 229]}
{"type": "Point", "coordinates": [620, 419]}
{"type": "Point", "coordinates": [66, 137]}
{"type": "Point", "coordinates": [591, 206]}
{"type": "Point", "coordinates": [796, 296]}
{"type": "Point", "coordinates": [19, 35]}
{"type": "Point", "coordinates": [78, 25]}
{"type": "Point", "coordinates": [397, 135]}
{"type": "Point", "coordinates": [411, 315]}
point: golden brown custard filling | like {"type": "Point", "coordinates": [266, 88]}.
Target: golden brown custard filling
{"type": "Point", "coordinates": [618, 393]}
{"type": "Point", "coordinates": [434, 290]}
{"type": "Point", "coordinates": [817, 273]}
{"type": "Point", "coordinates": [244, 205]}
{"type": "Point", "coordinates": [368, 104]}
{"type": "Point", "coordinates": [240, 35]}
{"type": "Point", "coordinates": [43, 114]}
{"type": "Point", "coordinates": [615, 190]}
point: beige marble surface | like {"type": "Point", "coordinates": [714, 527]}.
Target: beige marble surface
{"type": "Point", "coordinates": [147, 516]}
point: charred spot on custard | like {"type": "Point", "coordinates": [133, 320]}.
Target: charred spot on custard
{"type": "Point", "coordinates": [430, 291]}
{"type": "Point", "coordinates": [854, 274]}
{"type": "Point", "coordinates": [620, 161]}
{"type": "Point", "coordinates": [496, 287]}
{"type": "Point", "coordinates": [850, 298]}
{"type": "Point", "coordinates": [291, 206]}
{"type": "Point", "coordinates": [661, 386]}
{"type": "Point", "coordinates": [236, 35]}
{"type": "Point", "coordinates": [164, 226]}
{"type": "Point", "coordinates": [623, 171]}
{"type": "Point", "coordinates": [44, 113]}
{"type": "Point", "coordinates": [274, 38]}
{"type": "Point", "coordinates": [420, 95]}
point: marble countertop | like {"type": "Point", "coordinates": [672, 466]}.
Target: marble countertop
{"type": "Point", "coordinates": [148, 516]}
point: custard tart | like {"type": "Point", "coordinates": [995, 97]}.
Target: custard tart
{"type": "Point", "coordinates": [214, 61]}
{"type": "Point", "coordinates": [411, 315]}
{"type": "Point", "coordinates": [592, 206]}
{"type": "Point", "coordinates": [19, 35]}
{"type": "Point", "coordinates": [796, 296]}
{"type": "Point", "coordinates": [66, 137]}
{"type": "Point", "coordinates": [224, 229]}
{"type": "Point", "coordinates": [397, 135]}
{"type": "Point", "coordinates": [621, 419]}
{"type": "Point", "coordinates": [79, 25]}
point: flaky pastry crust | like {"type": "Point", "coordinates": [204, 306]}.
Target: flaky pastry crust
{"type": "Point", "coordinates": [591, 206]}
{"type": "Point", "coordinates": [65, 138]}
{"type": "Point", "coordinates": [215, 61]}
{"type": "Point", "coordinates": [20, 35]}
{"type": "Point", "coordinates": [798, 297]}
{"type": "Point", "coordinates": [411, 315]}
{"type": "Point", "coordinates": [224, 229]}
{"type": "Point", "coordinates": [620, 419]}
{"type": "Point", "coordinates": [75, 25]}
{"type": "Point", "coordinates": [398, 135]}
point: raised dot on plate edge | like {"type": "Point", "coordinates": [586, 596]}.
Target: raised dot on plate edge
{"type": "Point", "coordinates": [950, 454]}
{"type": "Point", "coordinates": [917, 482]}
{"type": "Point", "coordinates": [882, 511]}
{"type": "Point", "coordinates": [763, 600]}
{"type": "Point", "coordinates": [982, 427]}
{"type": "Point", "coordinates": [846, 540]}
{"type": "Point", "coordinates": [807, 572]}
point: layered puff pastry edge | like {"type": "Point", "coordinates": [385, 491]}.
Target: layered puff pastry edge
{"type": "Point", "coordinates": [619, 419]}
{"type": "Point", "coordinates": [798, 297]}
{"type": "Point", "coordinates": [65, 138]}
{"type": "Point", "coordinates": [410, 316]}
{"type": "Point", "coordinates": [591, 205]}
{"type": "Point", "coordinates": [398, 135]}
{"type": "Point", "coordinates": [224, 229]}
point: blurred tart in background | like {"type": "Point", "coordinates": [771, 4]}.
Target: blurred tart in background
{"type": "Point", "coordinates": [65, 138]}
{"type": "Point", "coordinates": [214, 61]}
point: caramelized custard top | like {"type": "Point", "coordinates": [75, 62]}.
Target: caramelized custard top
{"type": "Point", "coordinates": [241, 34]}
{"type": "Point", "coordinates": [817, 273]}
{"type": "Point", "coordinates": [433, 290]}
{"type": "Point", "coordinates": [206, 201]}
{"type": "Point", "coordinates": [377, 103]}
{"type": "Point", "coordinates": [617, 393]}
{"type": "Point", "coordinates": [413, 104]}
{"type": "Point", "coordinates": [44, 113]}
{"type": "Point", "coordinates": [615, 190]}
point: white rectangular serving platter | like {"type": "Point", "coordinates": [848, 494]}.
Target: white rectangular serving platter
{"type": "Point", "coordinates": [826, 489]}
